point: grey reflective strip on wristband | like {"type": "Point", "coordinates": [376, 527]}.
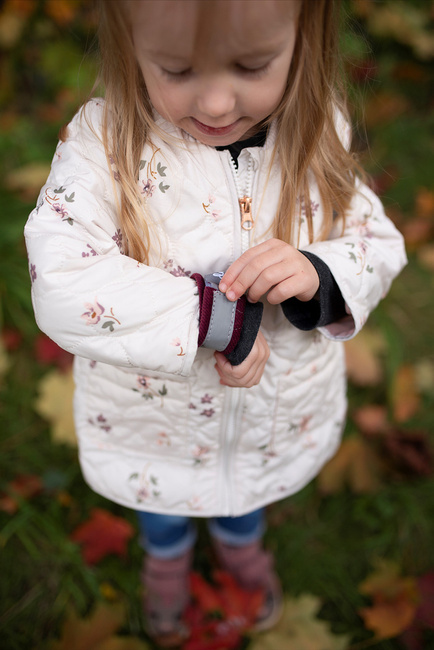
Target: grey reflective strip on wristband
{"type": "Point", "coordinates": [221, 324]}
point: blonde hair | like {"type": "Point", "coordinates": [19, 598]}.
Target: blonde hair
{"type": "Point", "coordinates": [307, 139]}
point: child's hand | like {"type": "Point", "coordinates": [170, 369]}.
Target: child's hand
{"type": "Point", "coordinates": [249, 372]}
{"type": "Point", "coordinates": [272, 266]}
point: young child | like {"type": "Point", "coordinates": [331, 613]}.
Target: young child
{"type": "Point", "coordinates": [203, 245]}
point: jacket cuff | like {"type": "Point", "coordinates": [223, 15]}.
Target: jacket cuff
{"type": "Point", "coordinates": [328, 306]}
{"type": "Point", "coordinates": [226, 326]}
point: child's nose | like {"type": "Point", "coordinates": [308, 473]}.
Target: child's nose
{"type": "Point", "coordinates": [217, 98]}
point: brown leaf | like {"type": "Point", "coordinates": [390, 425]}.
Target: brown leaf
{"type": "Point", "coordinates": [102, 534]}
{"type": "Point", "coordinates": [425, 255]}
{"type": "Point", "coordinates": [417, 231]}
{"type": "Point", "coordinates": [405, 394]}
{"type": "Point", "coordinates": [394, 599]}
{"type": "Point", "coordinates": [362, 354]}
{"type": "Point", "coordinates": [424, 203]}
{"type": "Point", "coordinates": [355, 465]}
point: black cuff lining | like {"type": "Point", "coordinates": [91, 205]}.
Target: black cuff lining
{"type": "Point", "coordinates": [327, 307]}
{"type": "Point", "coordinates": [251, 323]}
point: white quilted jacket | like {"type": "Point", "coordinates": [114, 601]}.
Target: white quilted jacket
{"type": "Point", "coordinates": [157, 431]}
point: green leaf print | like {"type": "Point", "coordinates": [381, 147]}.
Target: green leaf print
{"type": "Point", "coordinates": [109, 324]}
{"type": "Point", "coordinates": [153, 479]}
{"type": "Point", "coordinates": [161, 169]}
{"type": "Point", "coordinates": [163, 390]}
{"type": "Point", "coordinates": [70, 198]}
{"type": "Point", "coordinates": [353, 257]}
{"type": "Point", "coordinates": [370, 269]}
{"type": "Point", "coordinates": [60, 190]}
{"type": "Point", "coordinates": [134, 476]}
{"type": "Point", "coordinates": [142, 164]}
{"type": "Point", "coordinates": [163, 187]}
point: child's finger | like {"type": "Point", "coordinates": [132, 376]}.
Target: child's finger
{"type": "Point", "coordinates": [246, 259]}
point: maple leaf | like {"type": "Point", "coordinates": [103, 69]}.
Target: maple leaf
{"type": "Point", "coordinates": [395, 600]}
{"type": "Point", "coordinates": [220, 613]}
{"type": "Point", "coordinates": [300, 629]}
{"type": "Point", "coordinates": [355, 465]}
{"type": "Point", "coordinates": [102, 534]}
{"type": "Point", "coordinates": [96, 632]}
{"type": "Point", "coordinates": [54, 403]}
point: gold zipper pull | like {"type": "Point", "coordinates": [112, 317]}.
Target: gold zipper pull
{"type": "Point", "coordinates": [246, 213]}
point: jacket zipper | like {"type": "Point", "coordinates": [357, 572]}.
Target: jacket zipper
{"type": "Point", "coordinates": [234, 396]}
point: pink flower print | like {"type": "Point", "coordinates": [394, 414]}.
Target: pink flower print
{"type": "Point", "coordinates": [143, 382]}
{"type": "Point", "coordinates": [192, 406]}
{"type": "Point", "coordinates": [363, 247]}
{"type": "Point", "coordinates": [94, 312]}
{"type": "Point", "coordinates": [142, 493]}
{"type": "Point", "coordinates": [207, 207]}
{"type": "Point", "coordinates": [33, 274]}
{"type": "Point", "coordinates": [206, 399]}
{"type": "Point", "coordinates": [208, 413]}
{"type": "Point", "coordinates": [177, 344]}
{"type": "Point", "coordinates": [60, 209]}
{"type": "Point", "coordinates": [163, 439]}
{"type": "Point", "coordinates": [179, 272]}
{"type": "Point", "coordinates": [199, 454]}
{"type": "Point", "coordinates": [148, 188]}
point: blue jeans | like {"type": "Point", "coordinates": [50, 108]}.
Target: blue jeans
{"type": "Point", "coordinates": [169, 536]}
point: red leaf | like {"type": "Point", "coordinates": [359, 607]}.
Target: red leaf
{"type": "Point", "coordinates": [102, 534]}
{"type": "Point", "coordinates": [48, 352]}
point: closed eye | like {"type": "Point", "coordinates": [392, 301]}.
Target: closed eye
{"type": "Point", "coordinates": [176, 75]}
{"type": "Point", "coordinates": [253, 72]}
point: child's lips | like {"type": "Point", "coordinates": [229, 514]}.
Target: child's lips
{"type": "Point", "coordinates": [212, 130]}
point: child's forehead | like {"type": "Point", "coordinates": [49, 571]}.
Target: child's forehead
{"type": "Point", "coordinates": [180, 28]}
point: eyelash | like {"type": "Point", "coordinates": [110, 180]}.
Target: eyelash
{"type": "Point", "coordinates": [248, 72]}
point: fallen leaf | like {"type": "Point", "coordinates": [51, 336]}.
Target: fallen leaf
{"type": "Point", "coordinates": [221, 612]}
{"type": "Point", "coordinates": [395, 600]}
{"type": "Point", "coordinates": [363, 361]}
{"type": "Point", "coordinates": [102, 534]}
{"type": "Point", "coordinates": [355, 465]}
{"type": "Point", "coordinates": [413, 637]}
{"type": "Point", "coordinates": [405, 396]}
{"type": "Point", "coordinates": [416, 231]}
{"type": "Point", "coordinates": [300, 629]}
{"type": "Point", "coordinates": [56, 390]}
{"type": "Point", "coordinates": [48, 352]}
{"type": "Point", "coordinates": [96, 631]}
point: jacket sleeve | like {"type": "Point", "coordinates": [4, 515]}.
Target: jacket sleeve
{"type": "Point", "coordinates": [363, 259]}
{"type": "Point", "coordinates": [88, 296]}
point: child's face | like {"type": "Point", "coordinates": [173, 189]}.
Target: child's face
{"type": "Point", "coordinates": [215, 68]}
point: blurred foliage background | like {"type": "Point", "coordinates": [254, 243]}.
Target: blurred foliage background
{"type": "Point", "coordinates": [354, 548]}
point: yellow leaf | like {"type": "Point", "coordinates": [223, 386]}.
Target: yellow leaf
{"type": "Point", "coordinates": [405, 394]}
{"type": "Point", "coordinates": [395, 600]}
{"type": "Point", "coordinates": [355, 466]}
{"type": "Point", "coordinates": [96, 632]}
{"type": "Point", "coordinates": [362, 354]}
{"type": "Point", "coordinates": [54, 403]}
{"type": "Point", "coordinates": [299, 629]}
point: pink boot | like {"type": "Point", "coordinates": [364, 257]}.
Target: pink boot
{"type": "Point", "coordinates": [166, 584]}
{"type": "Point", "coordinates": [252, 567]}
